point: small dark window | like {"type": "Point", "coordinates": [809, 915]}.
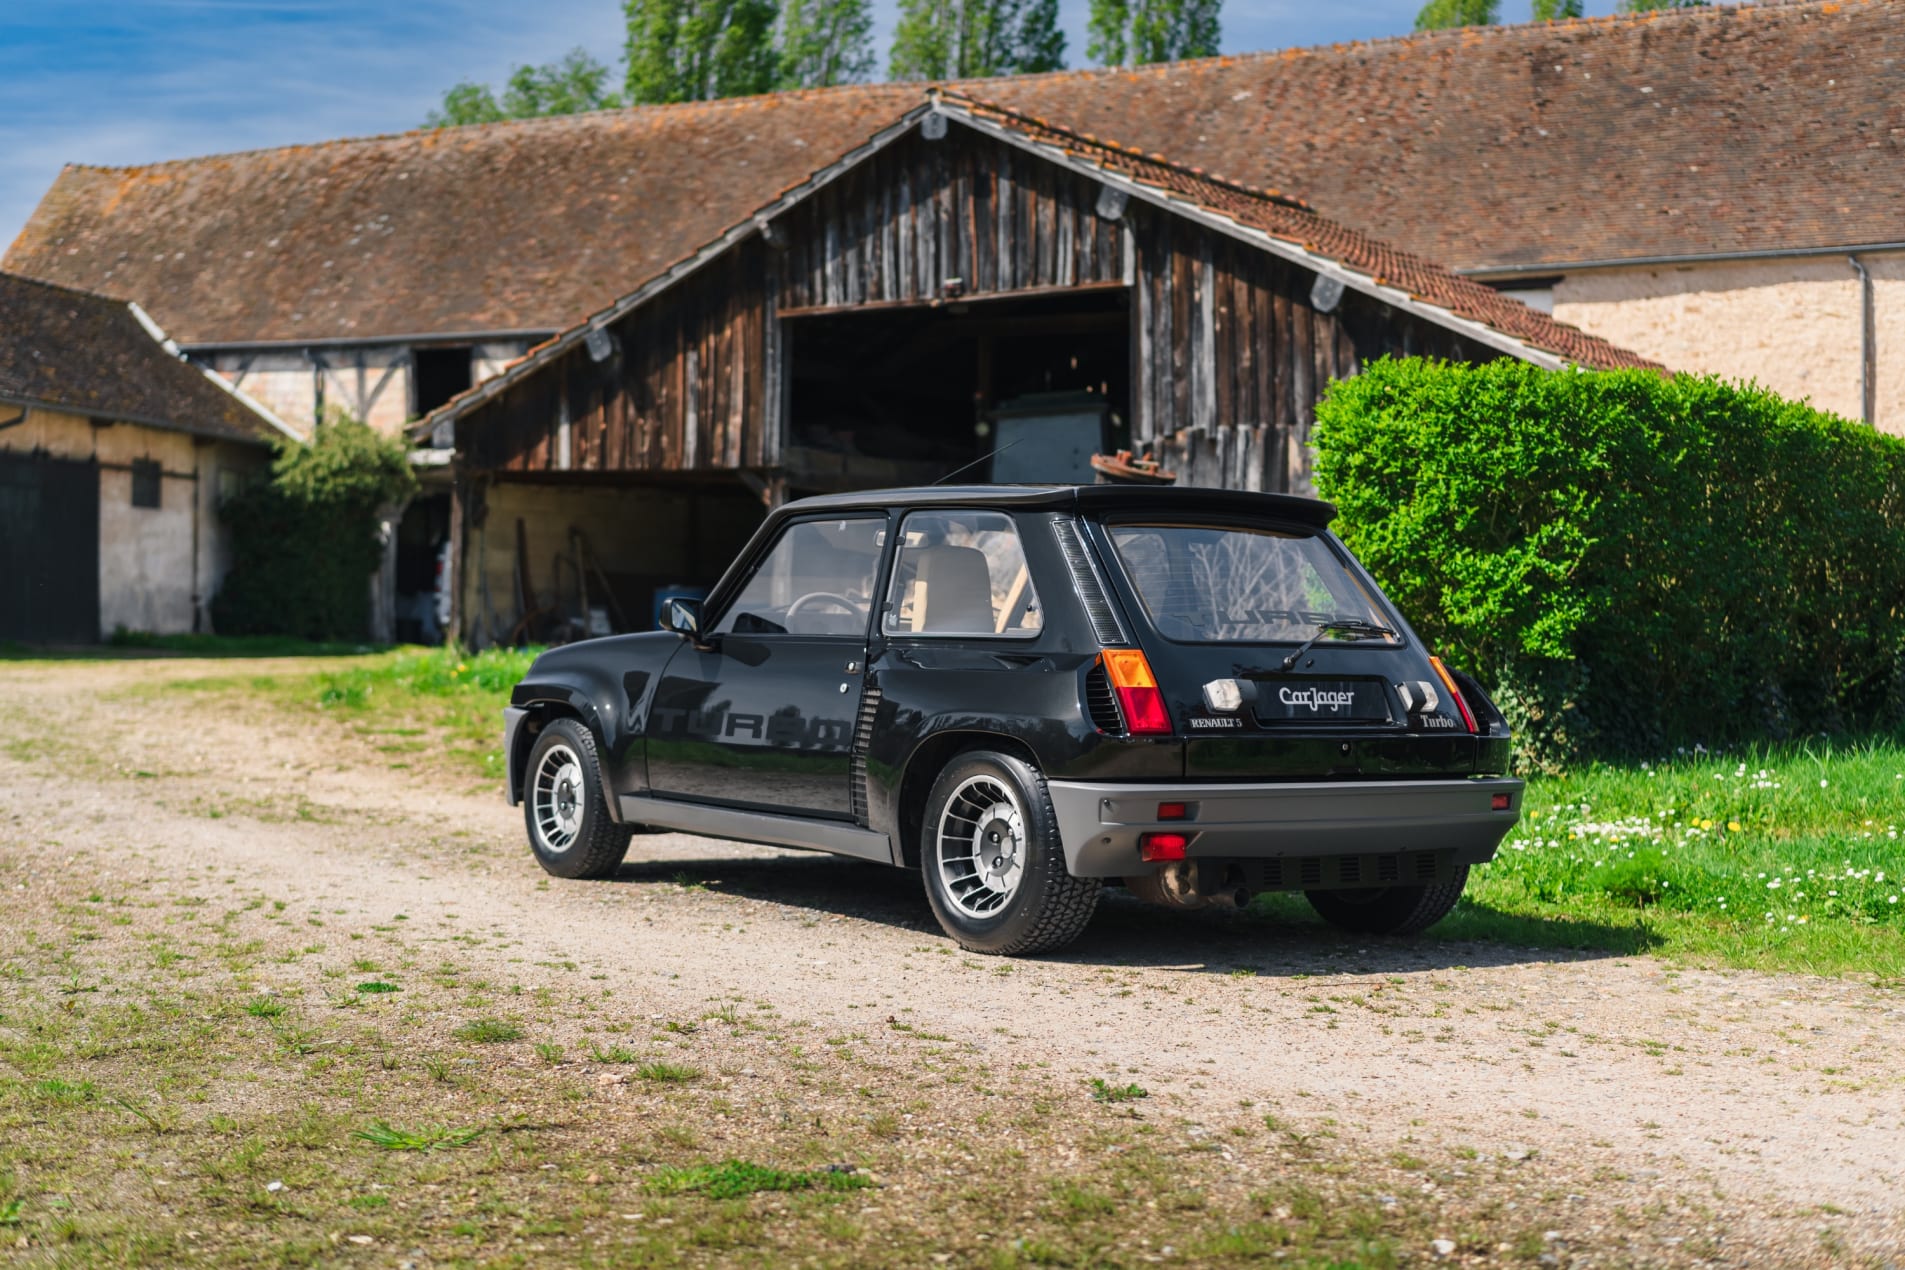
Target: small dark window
{"type": "Point", "coordinates": [441, 373]}
{"type": "Point", "coordinates": [145, 483]}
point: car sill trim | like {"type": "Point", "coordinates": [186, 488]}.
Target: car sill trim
{"type": "Point", "coordinates": [756, 826]}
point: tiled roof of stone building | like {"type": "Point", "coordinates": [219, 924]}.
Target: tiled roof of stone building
{"type": "Point", "coordinates": [1719, 130]}
{"type": "Point", "coordinates": [90, 355]}
{"type": "Point", "coordinates": [511, 227]}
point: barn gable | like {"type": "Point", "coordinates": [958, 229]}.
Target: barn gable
{"type": "Point", "coordinates": [1233, 308]}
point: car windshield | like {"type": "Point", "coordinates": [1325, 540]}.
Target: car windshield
{"type": "Point", "coordinates": [1236, 584]}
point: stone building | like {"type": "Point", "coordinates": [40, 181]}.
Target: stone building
{"type": "Point", "coordinates": [113, 454]}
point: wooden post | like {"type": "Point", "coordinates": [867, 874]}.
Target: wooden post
{"type": "Point", "coordinates": [459, 544]}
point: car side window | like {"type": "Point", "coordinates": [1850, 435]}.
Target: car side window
{"type": "Point", "coordinates": [816, 580]}
{"type": "Point", "coordinates": [961, 573]}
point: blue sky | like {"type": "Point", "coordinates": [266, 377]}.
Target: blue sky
{"type": "Point", "coordinates": [133, 81]}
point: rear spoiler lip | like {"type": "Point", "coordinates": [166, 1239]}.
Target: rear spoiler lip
{"type": "Point", "coordinates": [1313, 512]}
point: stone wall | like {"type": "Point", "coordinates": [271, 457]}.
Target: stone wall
{"type": "Point", "coordinates": [158, 566]}
{"type": "Point", "coordinates": [1791, 324]}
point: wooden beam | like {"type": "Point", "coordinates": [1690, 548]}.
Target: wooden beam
{"type": "Point", "coordinates": [984, 299]}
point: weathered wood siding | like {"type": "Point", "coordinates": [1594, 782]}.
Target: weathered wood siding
{"type": "Point", "coordinates": [1228, 355]}
{"type": "Point", "coordinates": [685, 390]}
{"type": "Point", "coordinates": [897, 228]}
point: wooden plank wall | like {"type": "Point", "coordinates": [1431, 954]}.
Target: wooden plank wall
{"type": "Point", "coordinates": [688, 389]}
{"type": "Point", "coordinates": [1230, 357]}
{"type": "Point", "coordinates": [897, 227]}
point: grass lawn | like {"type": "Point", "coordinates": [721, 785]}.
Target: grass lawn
{"type": "Point", "coordinates": [1782, 858]}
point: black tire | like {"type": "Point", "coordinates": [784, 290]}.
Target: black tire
{"type": "Point", "coordinates": [1042, 907]}
{"type": "Point", "coordinates": [564, 811]}
{"type": "Point", "coordinates": [1390, 910]}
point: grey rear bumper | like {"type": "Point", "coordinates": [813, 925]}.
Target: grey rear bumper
{"type": "Point", "coordinates": [513, 717]}
{"type": "Point", "coordinates": [1099, 823]}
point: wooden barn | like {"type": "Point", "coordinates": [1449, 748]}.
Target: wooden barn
{"type": "Point", "coordinates": [969, 288]}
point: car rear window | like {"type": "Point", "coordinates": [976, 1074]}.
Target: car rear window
{"type": "Point", "coordinates": [1239, 584]}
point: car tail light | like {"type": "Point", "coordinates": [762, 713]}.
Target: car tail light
{"type": "Point", "coordinates": [1498, 802]}
{"type": "Point", "coordinates": [1137, 689]}
{"type": "Point", "coordinates": [1156, 848]}
{"type": "Point", "coordinates": [1172, 811]}
{"type": "Point", "coordinates": [1455, 694]}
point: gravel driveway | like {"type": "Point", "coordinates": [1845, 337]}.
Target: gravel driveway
{"type": "Point", "coordinates": [1777, 1101]}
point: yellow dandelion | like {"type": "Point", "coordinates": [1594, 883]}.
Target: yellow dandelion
{"type": "Point", "coordinates": [1733, 826]}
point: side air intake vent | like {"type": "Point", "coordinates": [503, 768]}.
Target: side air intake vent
{"type": "Point", "coordinates": [1100, 702]}
{"type": "Point", "coordinates": [1085, 580]}
{"type": "Point", "coordinates": [857, 762]}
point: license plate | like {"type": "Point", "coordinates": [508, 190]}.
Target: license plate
{"type": "Point", "coordinates": [1320, 701]}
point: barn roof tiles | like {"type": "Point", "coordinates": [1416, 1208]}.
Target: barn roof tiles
{"type": "Point", "coordinates": [1384, 271]}
{"type": "Point", "coordinates": [1711, 131]}
{"type": "Point", "coordinates": [90, 355]}
{"type": "Point", "coordinates": [1289, 221]}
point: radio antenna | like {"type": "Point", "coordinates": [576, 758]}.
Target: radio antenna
{"type": "Point", "coordinates": [967, 467]}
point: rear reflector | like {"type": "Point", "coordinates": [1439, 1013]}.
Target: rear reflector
{"type": "Point", "coordinates": [1455, 694]}
{"type": "Point", "coordinates": [1172, 811]}
{"type": "Point", "coordinates": [1155, 848]}
{"type": "Point", "coordinates": [1498, 802]}
{"type": "Point", "coordinates": [1138, 695]}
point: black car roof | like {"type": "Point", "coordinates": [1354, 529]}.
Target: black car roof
{"type": "Point", "coordinates": [1154, 499]}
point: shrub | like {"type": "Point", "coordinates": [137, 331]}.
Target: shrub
{"type": "Point", "coordinates": [304, 543]}
{"type": "Point", "coordinates": [1629, 561]}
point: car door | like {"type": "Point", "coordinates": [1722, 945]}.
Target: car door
{"type": "Point", "coordinates": [760, 713]}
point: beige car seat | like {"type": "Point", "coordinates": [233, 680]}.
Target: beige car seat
{"type": "Point", "coordinates": [954, 591]}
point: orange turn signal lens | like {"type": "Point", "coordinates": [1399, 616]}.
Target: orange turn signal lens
{"type": "Point", "coordinates": [1455, 694]}
{"type": "Point", "coordinates": [1137, 691]}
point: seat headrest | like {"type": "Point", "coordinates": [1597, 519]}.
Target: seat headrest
{"type": "Point", "coordinates": [955, 589]}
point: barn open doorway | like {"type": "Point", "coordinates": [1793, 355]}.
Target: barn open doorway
{"type": "Point", "coordinates": [904, 394]}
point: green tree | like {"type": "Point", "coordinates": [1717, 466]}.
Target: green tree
{"type": "Point", "coordinates": [824, 42]}
{"type": "Point", "coordinates": [1554, 10]}
{"type": "Point", "coordinates": [1446, 13]}
{"type": "Point", "coordinates": [1650, 6]}
{"type": "Point", "coordinates": [698, 50]}
{"type": "Point", "coordinates": [304, 542]}
{"type": "Point", "coordinates": [1137, 32]}
{"type": "Point", "coordinates": [571, 85]}
{"type": "Point", "coordinates": [972, 39]}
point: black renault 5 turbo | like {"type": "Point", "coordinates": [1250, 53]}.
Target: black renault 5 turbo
{"type": "Point", "coordinates": [1028, 693]}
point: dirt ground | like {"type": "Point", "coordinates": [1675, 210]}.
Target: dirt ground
{"type": "Point", "coordinates": [1639, 1113]}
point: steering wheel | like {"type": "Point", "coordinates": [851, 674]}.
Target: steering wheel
{"type": "Point", "coordinates": [852, 609]}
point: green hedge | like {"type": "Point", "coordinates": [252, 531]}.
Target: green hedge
{"type": "Point", "coordinates": [304, 542]}
{"type": "Point", "coordinates": [1630, 562]}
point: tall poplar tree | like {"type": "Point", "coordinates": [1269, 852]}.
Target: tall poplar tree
{"type": "Point", "coordinates": [1138, 32]}
{"type": "Point", "coordinates": [824, 42]}
{"type": "Point", "coordinates": [973, 39]}
{"type": "Point", "coordinates": [697, 50]}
